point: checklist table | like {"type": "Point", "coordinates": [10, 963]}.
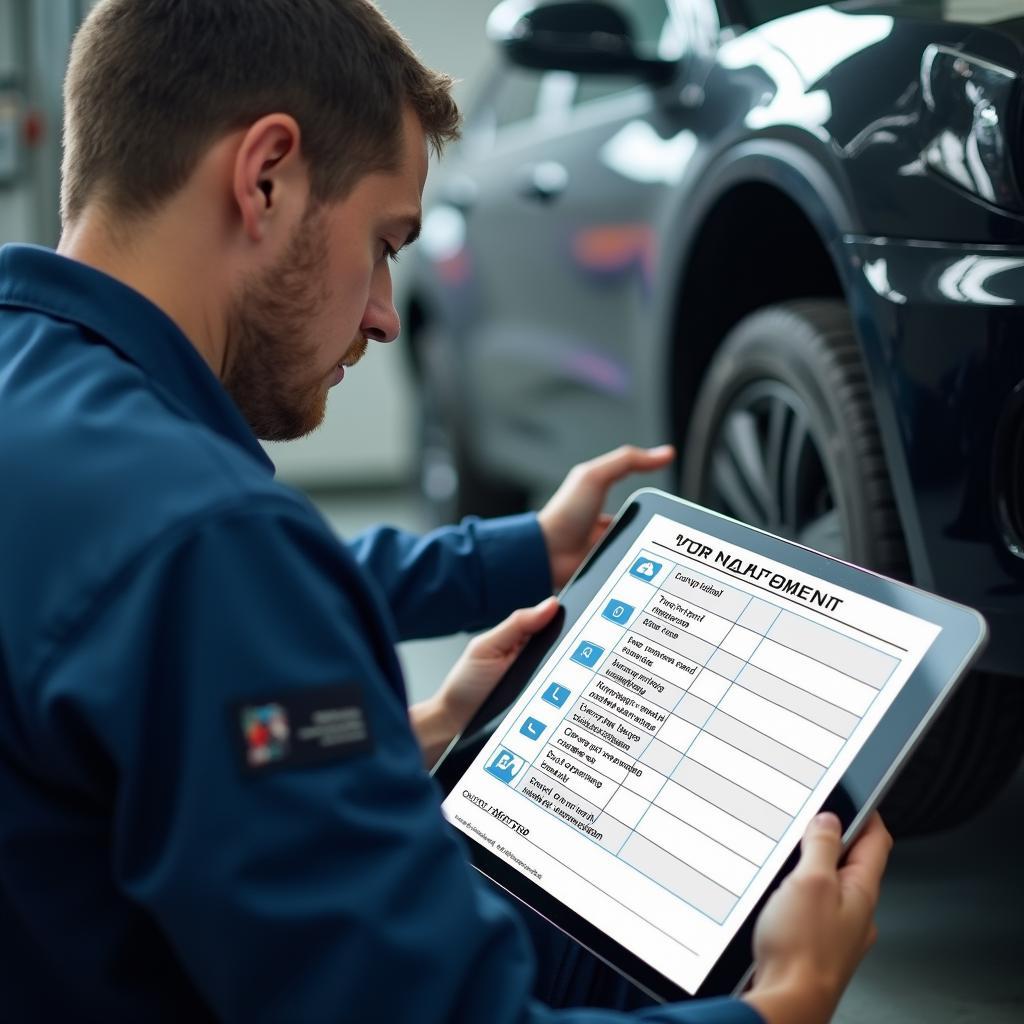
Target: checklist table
{"type": "Point", "coordinates": [687, 724]}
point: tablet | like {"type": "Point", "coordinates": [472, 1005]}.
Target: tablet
{"type": "Point", "coordinates": [643, 774]}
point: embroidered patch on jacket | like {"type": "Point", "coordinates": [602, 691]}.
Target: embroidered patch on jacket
{"type": "Point", "coordinates": [266, 731]}
{"type": "Point", "coordinates": [303, 727]}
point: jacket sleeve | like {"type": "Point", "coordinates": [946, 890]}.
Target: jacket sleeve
{"type": "Point", "coordinates": [289, 890]}
{"type": "Point", "coordinates": [459, 578]}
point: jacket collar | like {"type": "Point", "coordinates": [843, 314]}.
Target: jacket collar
{"type": "Point", "coordinates": [113, 314]}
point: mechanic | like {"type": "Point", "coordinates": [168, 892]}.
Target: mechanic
{"type": "Point", "coordinates": [178, 631]}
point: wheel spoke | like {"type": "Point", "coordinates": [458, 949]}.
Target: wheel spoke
{"type": "Point", "coordinates": [731, 492]}
{"type": "Point", "coordinates": [766, 469]}
{"type": "Point", "coordinates": [791, 478]}
{"type": "Point", "coordinates": [779, 421]}
{"type": "Point", "coordinates": [825, 534]}
{"type": "Point", "coordinates": [742, 439]}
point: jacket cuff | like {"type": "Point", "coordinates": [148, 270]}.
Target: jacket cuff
{"type": "Point", "coordinates": [516, 570]}
{"type": "Point", "coordinates": [725, 1010]}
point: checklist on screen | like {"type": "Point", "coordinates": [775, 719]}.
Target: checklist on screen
{"type": "Point", "coordinates": [664, 760]}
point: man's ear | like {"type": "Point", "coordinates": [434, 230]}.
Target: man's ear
{"type": "Point", "coordinates": [271, 182]}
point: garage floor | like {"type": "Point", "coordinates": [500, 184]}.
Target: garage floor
{"type": "Point", "coordinates": [951, 946]}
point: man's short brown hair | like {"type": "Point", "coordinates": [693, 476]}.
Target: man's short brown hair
{"type": "Point", "coordinates": [153, 83]}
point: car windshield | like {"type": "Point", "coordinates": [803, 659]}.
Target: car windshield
{"type": "Point", "coordinates": [978, 11]}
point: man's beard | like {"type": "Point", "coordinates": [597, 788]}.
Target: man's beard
{"type": "Point", "coordinates": [271, 371]}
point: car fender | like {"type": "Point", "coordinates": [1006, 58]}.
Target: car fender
{"type": "Point", "coordinates": [803, 176]}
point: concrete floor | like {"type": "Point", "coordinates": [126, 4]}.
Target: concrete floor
{"type": "Point", "coordinates": [951, 921]}
{"type": "Point", "coordinates": [951, 936]}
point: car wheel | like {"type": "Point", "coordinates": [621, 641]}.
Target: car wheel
{"type": "Point", "coordinates": [450, 482]}
{"type": "Point", "coordinates": [783, 436]}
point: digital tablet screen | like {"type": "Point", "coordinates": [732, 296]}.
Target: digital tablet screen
{"type": "Point", "coordinates": [664, 760]}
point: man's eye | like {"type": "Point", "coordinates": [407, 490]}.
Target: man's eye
{"type": "Point", "coordinates": [390, 253]}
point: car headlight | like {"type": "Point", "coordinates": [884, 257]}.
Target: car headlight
{"type": "Point", "coordinates": [969, 118]}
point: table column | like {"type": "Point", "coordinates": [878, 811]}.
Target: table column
{"type": "Point", "coordinates": [684, 842]}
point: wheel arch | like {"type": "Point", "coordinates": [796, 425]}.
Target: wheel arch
{"type": "Point", "coordinates": [725, 270]}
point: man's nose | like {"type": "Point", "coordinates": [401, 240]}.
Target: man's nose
{"type": "Point", "coordinates": [385, 332]}
{"type": "Point", "coordinates": [381, 321]}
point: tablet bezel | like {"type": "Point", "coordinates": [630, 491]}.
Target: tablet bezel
{"type": "Point", "coordinates": [963, 634]}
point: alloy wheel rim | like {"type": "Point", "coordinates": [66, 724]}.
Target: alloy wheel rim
{"type": "Point", "coordinates": [765, 467]}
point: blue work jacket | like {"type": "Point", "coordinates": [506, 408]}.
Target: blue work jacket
{"type": "Point", "coordinates": [212, 805]}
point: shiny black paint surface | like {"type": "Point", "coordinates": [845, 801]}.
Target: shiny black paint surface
{"type": "Point", "coordinates": [565, 294]}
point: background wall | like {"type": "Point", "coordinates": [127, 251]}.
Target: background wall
{"type": "Point", "coordinates": [34, 40]}
{"type": "Point", "coordinates": [367, 436]}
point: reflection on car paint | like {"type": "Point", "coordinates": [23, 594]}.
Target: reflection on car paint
{"type": "Point", "coordinates": [597, 370]}
{"type": "Point", "coordinates": [639, 153]}
{"type": "Point", "coordinates": [616, 249]}
{"type": "Point", "coordinates": [966, 280]}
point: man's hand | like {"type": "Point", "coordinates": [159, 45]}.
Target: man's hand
{"type": "Point", "coordinates": [573, 521]}
{"type": "Point", "coordinates": [818, 925]}
{"type": "Point", "coordinates": [485, 660]}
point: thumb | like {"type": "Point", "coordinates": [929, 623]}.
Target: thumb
{"type": "Point", "coordinates": [598, 530]}
{"type": "Point", "coordinates": [508, 636]}
{"type": "Point", "coordinates": [821, 846]}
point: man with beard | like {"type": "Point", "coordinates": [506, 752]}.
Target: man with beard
{"type": "Point", "coordinates": [212, 796]}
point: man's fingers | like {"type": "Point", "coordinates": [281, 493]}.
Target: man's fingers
{"type": "Point", "coordinates": [865, 863]}
{"type": "Point", "coordinates": [521, 625]}
{"type": "Point", "coordinates": [821, 846]}
{"type": "Point", "coordinates": [607, 469]}
{"type": "Point", "coordinates": [510, 635]}
{"type": "Point", "coordinates": [532, 620]}
{"type": "Point", "coordinates": [597, 531]}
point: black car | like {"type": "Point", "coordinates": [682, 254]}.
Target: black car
{"type": "Point", "coordinates": [790, 239]}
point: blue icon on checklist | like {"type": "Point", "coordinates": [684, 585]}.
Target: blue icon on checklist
{"type": "Point", "coordinates": [618, 611]}
{"type": "Point", "coordinates": [532, 728]}
{"type": "Point", "coordinates": [644, 569]}
{"type": "Point", "coordinates": [556, 695]}
{"type": "Point", "coordinates": [505, 765]}
{"type": "Point", "coordinates": [587, 654]}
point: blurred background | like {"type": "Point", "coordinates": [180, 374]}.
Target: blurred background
{"type": "Point", "coordinates": [950, 946]}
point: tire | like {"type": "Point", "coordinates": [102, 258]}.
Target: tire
{"type": "Point", "coordinates": [450, 483]}
{"type": "Point", "coordinates": [783, 436]}
{"type": "Point", "coordinates": [972, 750]}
